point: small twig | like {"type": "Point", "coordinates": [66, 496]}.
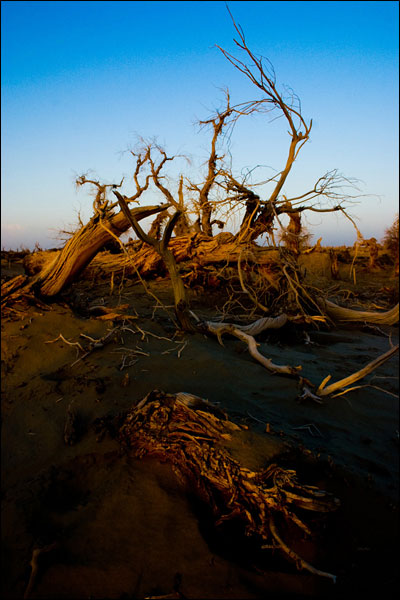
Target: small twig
{"type": "Point", "coordinates": [255, 418]}
{"type": "Point", "coordinates": [95, 344]}
{"type": "Point", "coordinates": [375, 328]}
{"type": "Point", "coordinates": [369, 385]}
{"type": "Point", "coordinates": [181, 349]}
{"type": "Point", "coordinates": [81, 358]}
{"type": "Point", "coordinates": [133, 351]}
{"type": "Point", "coordinates": [309, 427]}
{"type": "Point", "coordinates": [124, 328]}
{"type": "Point", "coordinates": [382, 377]}
{"type": "Point", "coordinates": [130, 364]}
{"type": "Point", "coordinates": [60, 336]}
{"type": "Point", "coordinates": [309, 395]}
{"type": "Point", "coordinates": [35, 566]}
{"type": "Point", "coordinates": [87, 337]}
{"type": "Point", "coordinates": [160, 337]}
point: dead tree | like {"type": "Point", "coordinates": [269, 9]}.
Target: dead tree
{"type": "Point", "coordinates": [49, 273]}
{"type": "Point", "coordinates": [260, 211]}
{"type": "Point", "coordinates": [220, 190]}
{"type": "Point", "coordinates": [182, 225]}
{"type": "Point", "coordinates": [203, 204]}
{"type": "Point", "coordinates": [104, 226]}
{"type": "Point", "coordinates": [83, 247]}
{"type": "Point", "coordinates": [161, 247]}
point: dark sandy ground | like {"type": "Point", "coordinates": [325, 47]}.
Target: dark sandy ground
{"type": "Point", "coordinates": [126, 528]}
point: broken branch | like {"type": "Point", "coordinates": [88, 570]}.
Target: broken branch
{"type": "Point", "coordinates": [342, 383]}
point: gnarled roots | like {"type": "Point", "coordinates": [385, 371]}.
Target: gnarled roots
{"type": "Point", "coordinates": [189, 433]}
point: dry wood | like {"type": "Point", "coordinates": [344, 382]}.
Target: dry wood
{"type": "Point", "coordinates": [346, 381]}
{"type": "Point", "coordinates": [93, 343]}
{"type": "Point", "coordinates": [111, 314]}
{"type": "Point", "coordinates": [339, 313]}
{"type": "Point", "coordinates": [192, 253]}
{"type": "Point", "coordinates": [161, 248]}
{"type": "Point", "coordinates": [246, 290]}
{"type": "Point", "coordinates": [190, 434]}
{"type": "Point", "coordinates": [246, 333]}
{"type": "Point", "coordinates": [62, 338]}
{"type": "Point", "coordinates": [77, 253]}
{"type": "Point", "coordinates": [295, 557]}
{"type": "Point", "coordinates": [11, 286]}
{"type": "Point", "coordinates": [263, 324]}
{"type": "Point", "coordinates": [34, 564]}
{"type": "Point", "coordinates": [17, 296]}
{"type": "Point", "coordinates": [194, 250]}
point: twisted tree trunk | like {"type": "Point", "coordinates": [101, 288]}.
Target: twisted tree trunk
{"type": "Point", "coordinates": [83, 246]}
{"type": "Point", "coordinates": [53, 275]}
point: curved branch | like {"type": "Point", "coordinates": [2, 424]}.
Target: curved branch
{"type": "Point", "coordinates": [240, 332]}
{"type": "Point", "coordinates": [169, 229]}
{"type": "Point", "coordinates": [300, 562]}
{"type": "Point", "coordinates": [122, 201]}
{"type": "Point", "coordinates": [161, 247]}
{"type": "Point", "coordinates": [342, 383]}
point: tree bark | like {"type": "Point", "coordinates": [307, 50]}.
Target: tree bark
{"type": "Point", "coordinates": [78, 252]}
{"type": "Point", "coordinates": [192, 251]}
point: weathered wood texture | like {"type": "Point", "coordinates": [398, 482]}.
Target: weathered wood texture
{"type": "Point", "coordinates": [58, 269]}
{"type": "Point", "coordinates": [193, 250]}
{"type": "Point", "coordinates": [189, 433]}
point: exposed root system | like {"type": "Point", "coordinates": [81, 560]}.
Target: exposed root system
{"type": "Point", "coordinates": [189, 433]}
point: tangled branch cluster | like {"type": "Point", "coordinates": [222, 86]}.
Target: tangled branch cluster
{"type": "Point", "coordinates": [189, 433]}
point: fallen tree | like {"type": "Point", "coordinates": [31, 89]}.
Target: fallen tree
{"type": "Point", "coordinates": [261, 274]}
{"type": "Point", "coordinates": [83, 246]}
{"type": "Point", "coordinates": [50, 276]}
{"type": "Point", "coordinates": [202, 205]}
{"type": "Point", "coordinates": [192, 252]}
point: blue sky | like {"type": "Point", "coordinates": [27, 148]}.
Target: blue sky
{"type": "Point", "coordinates": [82, 80]}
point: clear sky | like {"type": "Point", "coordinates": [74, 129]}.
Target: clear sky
{"type": "Point", "coordinates": [82, 80]}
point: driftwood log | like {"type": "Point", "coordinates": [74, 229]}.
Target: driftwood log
{"type": "Point", "coordinates": [190, 433]}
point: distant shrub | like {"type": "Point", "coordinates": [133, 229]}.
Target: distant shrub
{"type": "Point", "coordinates": [295, 242]}
{"type": "Point", "coordinates": [391, 242]}
{"type": "Point", "coordinates": [391, 238]}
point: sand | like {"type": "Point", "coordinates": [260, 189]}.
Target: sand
{"type": "Point", "coordinates": [126, 528]}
